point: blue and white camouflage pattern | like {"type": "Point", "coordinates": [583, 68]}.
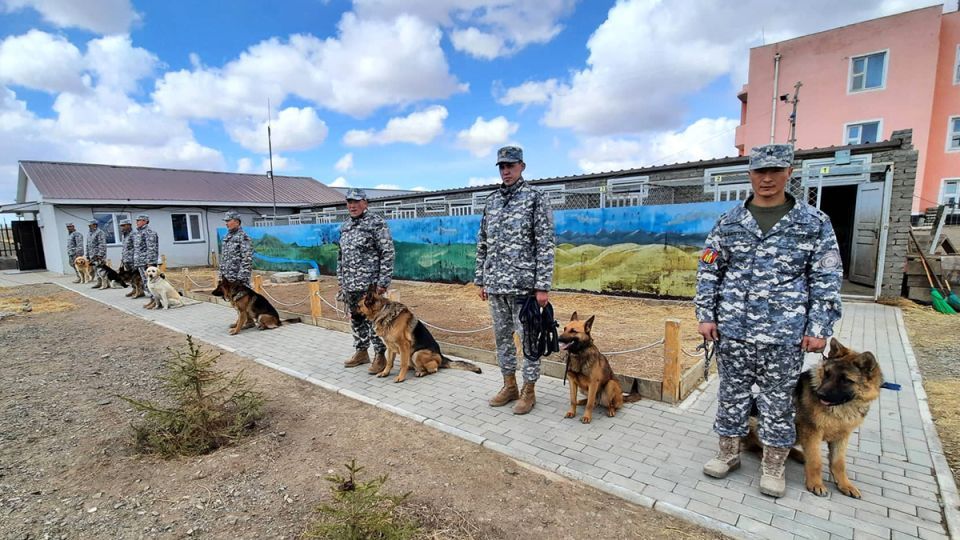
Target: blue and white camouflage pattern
{"type": "Point", "coordinates": [236, 256]}
{"type": "Point", "coordinates": [509, 154]}
{"type": "Point", "coordinates": [505, 311]}
{"type": "Point", "coordinates": [366, 253]}
{"type": "Point", "coordinates": [773, 288]}
{"type": "Point", "coordinates": [126, 253]}
{"type": "Point", "coordinates": [146, 247]}
{"type": "Point", "coordinates": [771, 156]}
{"type": "Point", "coordinates": [96, 246]}
{"type": "Point", "coordinates": [74, 246]}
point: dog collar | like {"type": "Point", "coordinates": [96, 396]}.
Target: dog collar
{"type": "Point", "coordinates": [890, 386]}
{"type": "Point", "coordinates": [239, 295]}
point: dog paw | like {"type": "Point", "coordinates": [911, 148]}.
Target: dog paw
{"type": "Point", "coordinates": [849, 490]}
{"type": "Point", "coordinates": [399, 379]}
{"type": "Point", "coordinates": [586, 420]}
{"type": "Point", "coordinates": [233, 332]}
{"type": "Point", "coordinates": [611, 412]}
{"type": "Point", "coordinates": [819, 490]}
{"type": "Point", "coordinates": [420, 373]}
{"type": "Point", "coordinates": [570, 414]}
{"type": "Point", "coordinates": [383, 374]}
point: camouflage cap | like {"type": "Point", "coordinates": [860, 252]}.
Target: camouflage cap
{"type": "Point", "coordinates": [92, 222]}
{"type": "Point", "coordinates": [356, 194]}
{"type": "Point", "coordinates": [509, 154]}
{"type": "Point", "coordinates": [771, 156]}
{"type": "Point", "coordinates": [70, 224]}
{"type": "Point", "coordinates": [125, 222]}
{"type": "Point", "coordinates": [231, 214]}
{"type": "Point", "coordinates": [144, 217]}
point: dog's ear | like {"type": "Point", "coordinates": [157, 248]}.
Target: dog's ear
{"type": "Point", "coordinates": [837, 349]}
{"type": "Point", "coordinates": [589, 324]}
{"type": "Point", "coordinates": [163, 276]}
{"type": "Point", "coordinates": [868, 364]}
{"type": "Point", "coordinates": [574, 317]}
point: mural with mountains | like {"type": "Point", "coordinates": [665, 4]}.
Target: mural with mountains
{"type": "Point", "coordinates": [649, 250]}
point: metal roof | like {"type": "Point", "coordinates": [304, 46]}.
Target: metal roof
{"type": "Point", "coordinates": [88, 181]}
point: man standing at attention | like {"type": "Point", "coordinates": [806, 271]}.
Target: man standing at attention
{"type": "Point", "coordinates": [126, 252]}
{"type": "Point", "coordinates": [515, 250]}
{"type": "Point", "coordinates": [236, 251]}
{"type": "Point", "coordinates": [366, 258]}
{"type": "Point", "coordinates": [96, 248]}
{"type": "Point", "coordinates": [768, 288]}
{"type": "Point", "coordinates": [74, 248]}
{"type": "Point", "coordinates": [146, 252]}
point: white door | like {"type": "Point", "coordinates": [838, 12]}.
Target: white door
{"type": "Point", "coordinates": [866, 234]}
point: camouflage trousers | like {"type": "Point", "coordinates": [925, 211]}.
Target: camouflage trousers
{"type": "Point", "coordinates": [362, 328]}
{"type": "Point", "coordinates": [143, 277]}
{"type": "Point", "coordinates": [505, 310]}
{"type": "Point", "coordinates": [774, 369]}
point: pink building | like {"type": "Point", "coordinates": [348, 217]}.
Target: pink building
{"type": "Point", "coordinates": [860, 83]}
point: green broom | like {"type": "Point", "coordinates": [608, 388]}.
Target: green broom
{"type": "Point", "coordinates": [936, 298]}
{"type": "Point", "coordinates": [952, 298]}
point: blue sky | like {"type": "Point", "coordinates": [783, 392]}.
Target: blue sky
{"type": "Point", "coordinates": [401, 93]}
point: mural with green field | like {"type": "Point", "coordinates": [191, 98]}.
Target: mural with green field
{"type": "Point", "coordinates": [647, 250]}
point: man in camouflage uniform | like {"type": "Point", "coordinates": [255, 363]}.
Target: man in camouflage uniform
{"type": "Point", "coordinates": [515, 250]}
{"type": "Point", "coordinates": [236, 251]}
{"type": "Point", "coordinates": [146, 252]}
{"type": "Point", "coordinates": [126, 253]}
{"type": "Point", "coordinates": [74, 248]}
{"type": "Point", "coordinates": [366, 258]}
{"type": "Point", "coordinates": [768, 287]}
{"type": "Point", "coordinates": [96, 249]}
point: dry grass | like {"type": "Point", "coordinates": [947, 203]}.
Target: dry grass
{"type": "Point", "coordinates": [440, 523]}
{"type": "Point", "coordinates": [39, 304]}
{"type": "Point", "coordinates": [944, 399]}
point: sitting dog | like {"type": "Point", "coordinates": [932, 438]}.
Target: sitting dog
{"type": "Point", "coordinates": [589, 372]}
{"type": "Point", "coordinates": [250, 306]}
{"type": "Point", "coordinates": [82, 264]}
{"type": "Point", "coordinates": [109, 278]}
{"type": "Point", "coordinates": [163, 292]}
{"type": "Point", "coordinates": [132, 276]}
{"type": "Point", "coordinates": [403, 334]}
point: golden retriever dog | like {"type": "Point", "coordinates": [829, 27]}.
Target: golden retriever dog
{"type": "Point", "coordinates": [84, 269]}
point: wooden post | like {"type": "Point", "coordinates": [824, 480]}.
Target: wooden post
{"type": "Point", "coordinates": [163, 263]}
{"type": "Point", "coordinates": [258, 283]}
{"type": "Point", "coordinates": [213, 259]}
{"type": "Point", "coordinates": [186, 279]}
{"type": "Point", "coordinates": [670, 390]}
{"type": "Point", "coordinates": [315, 305]}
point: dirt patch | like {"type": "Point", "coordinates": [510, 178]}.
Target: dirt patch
{"type": "Point", "coordinates": [622, 323]}
{"type": "Point", "coordinates": [934, 339]}
{"type": "Point", "coordinates": [67, 468]}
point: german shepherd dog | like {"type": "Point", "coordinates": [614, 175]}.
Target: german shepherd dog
{"type": "Point", "coordinates": [132, 276]}
{"type": "Point", "coordinates": [109, 278]}
{"type": "Point", "coordinates": [589, 372]}
{"type": "Point", "coordinates": [250, 306]}
{"type": "Point", "coordinates": [405, 335]}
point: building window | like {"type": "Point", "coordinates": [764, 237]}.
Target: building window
{"type": "Point", "coordinates": [862, 132]}
{"type": "Point", "coordinates": [109, 223]}
{"type": "Point", "coordinates": [868, 72]}
{"type": "Point", "coordinates": [950, 193]}
{"type": "Point", "coordinates": [627, 191]}
{"type": "Point", "coordinates": [435, 205]}
{"type": "Point", "coordinates": [953, 134]}
{"type": "Point", "coordinates": [186, 227]}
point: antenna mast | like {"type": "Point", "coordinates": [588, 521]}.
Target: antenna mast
{"type": "Point", "coordinates": [273, 185]}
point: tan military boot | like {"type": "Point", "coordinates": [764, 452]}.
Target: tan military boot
{"type": "Point", "coordinates": [773, 479]}
{"type": "Point", "coordinates": [359, 357]}
{"type": "Point", "coordinates": [528, 399]}
{"type": "Point", "coordinates": [728, 458]}
{"type": "Point", "coordinates": [379, 362]}
{"type": "Point", "coordinates": [508, 393]}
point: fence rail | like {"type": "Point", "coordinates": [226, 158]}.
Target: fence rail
{"type": "Point", "coordinates": [7, 248]}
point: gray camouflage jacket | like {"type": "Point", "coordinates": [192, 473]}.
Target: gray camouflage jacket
{"type": "Point", "coordinates": [74, 246]}
{"type": "Point", "coordinates": [146, 246]}
{"type": "Point", "coordinates": [97, 246]}
{"type": "Point", "coordinates": [366, 253]}
{"type": "Point", "coordinates": [773, 288]}
{"type": "Point", "coordinates": [236, 256]}
{"type": "Point", "coordinates": [515, 244]}
{"type": "Point", "coordinates": [126, 254]}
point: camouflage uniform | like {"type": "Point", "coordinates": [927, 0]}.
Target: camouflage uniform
{"type": "Point", "coordinates": [236, 253]}
{"type": "Point", "coordinates": [146, 249]}
{"type": "Point", "coordinates": [96, 245]}
{"type": "Point", "coordinates": [74, 247]}
{"type": "Point", "coordinates": [515, 250]}
{"type": "Point", "coordinates": [126, 254]}
{"type": "Point", "coordinates": [366, 258]}
{"type": "Point", "coordinates": [765, 292]}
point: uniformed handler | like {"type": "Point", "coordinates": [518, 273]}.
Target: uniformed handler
{"type": "Point", "coordinates": [236, 251]}
{"type": "Point", "coordinates": [74, 248]}
{"type": "Point", "coordinates": [366, 258]}
{"type": "Point", "coordinates": [515, 252]}
{"type": "Point", "coordinates": [768, 288]}
{"type": "Point", "coordinates": [96, 249]}
{"type": "Point", "coordinates": [126, 250]}
{"type": "Point", "coordinates": [146, 252]}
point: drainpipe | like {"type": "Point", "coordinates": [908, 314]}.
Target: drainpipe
{"type": "Point", "coordinates": [776, 87]}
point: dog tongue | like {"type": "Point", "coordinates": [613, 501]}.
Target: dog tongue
{"type": "Point", "coordinates": [565, 346]}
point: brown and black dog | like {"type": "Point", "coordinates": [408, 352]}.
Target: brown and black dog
{"type": "Point", "coordinates": [132, 276]}
{"type": "Point", "coordinates": [405, 335]}
{"type": "Point", "coordinates": [589, 372]}
{"type": "Point", "coordinates": [251, 307]}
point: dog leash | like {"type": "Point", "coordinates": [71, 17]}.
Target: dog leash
{"type": "Point", "coordinates": [709, 349]}
{"type": "Point", "coordinates": [890, 386]}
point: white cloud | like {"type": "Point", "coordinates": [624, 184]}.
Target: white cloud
{"type": "Point", "coordinates": [345, 163]}
{"type": "Point", "coordinates": [100, 16]}
{"type": "Point", "coordinates": [386, 186]}
{"type": "Point", "coordinates": [706, 138]}
{"type": "Point", "coordinates": [478, 181]}
{"type": "Point", "coordinates": [529, 93]}
{"type": "Point", "coordinates": [370, 64]}
{"type": "Point", "coordinates": [418, 188]}
{"type": "Point", "coordinates": [483, 136]}
{"type": "Point", "coordinates": [485, 29]}
{"type": "Point", "coordinates": [416, 128]}
{"type": "Point", "coordinates": [339, 182]}
{"type": "Point", "coordinates": [117, 63]}
{"type": "Point", "coordinates": [41, 61]}
{"type": "Point", "coordinates": [244, 165]}
{"type": "Point", "coordinates": [108, 116]}
{"type": "Point", "coordinates": [293, 129]}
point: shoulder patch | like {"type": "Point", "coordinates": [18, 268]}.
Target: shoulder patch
{"type": "Point", "coordinates": [709, 256]}
{"type": "Point", "coordinates": [830, 260]}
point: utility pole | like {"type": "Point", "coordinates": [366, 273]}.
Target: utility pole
{"type": "Point", "coordinates": [273, 185]}
{"type": "Point", "coordinates": [793, 115]}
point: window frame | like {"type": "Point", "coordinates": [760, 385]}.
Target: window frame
{"type": "Point", "coordinates": [116, 218]}
{"type": "Point", "coordinates": [190, 240]}
{"type": "Point", "coordinates": [943, 186]}
{"type": "Point", "coordinates": [848, 125]}
{"type": "Point", "coordinates": [956, 67]}
{"type": "Point", "coordinates": [883, 78]}
{"type": "Point", "coordinates": [951, 134]}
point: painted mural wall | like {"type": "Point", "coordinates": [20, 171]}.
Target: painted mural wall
{"type": "Point", "coordinates": [651, 250]}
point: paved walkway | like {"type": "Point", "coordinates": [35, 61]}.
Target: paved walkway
{"type": "Point", "coordinates": [651, 453]}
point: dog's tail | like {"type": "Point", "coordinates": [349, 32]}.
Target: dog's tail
{"type": "Point", "coordinates": [458, 364]}
{"type": "Point", "coordinates": [632, 398]}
